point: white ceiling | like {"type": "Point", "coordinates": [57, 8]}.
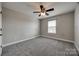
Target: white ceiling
{"type": "Point", "coordinates": [29, 7]}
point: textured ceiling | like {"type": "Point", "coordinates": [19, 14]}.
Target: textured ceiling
{"type": "Point", "coordinates": [29, 7]}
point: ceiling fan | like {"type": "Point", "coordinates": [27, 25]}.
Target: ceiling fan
{"type": "Point", "coordinates": [43, 11]}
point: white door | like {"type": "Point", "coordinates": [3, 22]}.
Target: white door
{"type": "Point", "coordinates": [0, 29]}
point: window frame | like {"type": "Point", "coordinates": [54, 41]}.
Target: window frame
{"type": "Point", "coordinates": [53, 26]}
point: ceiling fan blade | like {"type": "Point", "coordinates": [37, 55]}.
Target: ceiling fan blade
{"type": "Point", "coordinates": [47, 14]}
{"type": "Point", "coordinates": [39, 15]}
{"type": "Point", "coordinates": [50, 10]}
{"type": "Point", "coordinates": [36, 12]}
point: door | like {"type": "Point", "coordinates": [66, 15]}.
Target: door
{"type": "Point", "coordinates": [0, 29]}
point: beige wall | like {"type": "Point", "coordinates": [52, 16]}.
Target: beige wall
{"type": "Point", "coordinates": [0, 24]}
{"type": "Point", "coordinates": [18, 26]}
{"type": "Point", "coordinates": [64, 29]}
{"type": "Point", "coordinates": [0, 28]}
{"type": "Point", "coordinates": [77, 27]}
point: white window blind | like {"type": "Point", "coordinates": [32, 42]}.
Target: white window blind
{"type": "Point", "coordinates": [52, 26]}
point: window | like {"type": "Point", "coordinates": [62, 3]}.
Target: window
{"type": "Point", "coordinates": [52, 26]}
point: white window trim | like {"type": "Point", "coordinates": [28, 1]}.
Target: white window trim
{"type": "Point", "coordinates": [52, 29]}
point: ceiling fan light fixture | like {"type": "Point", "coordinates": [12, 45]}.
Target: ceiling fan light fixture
{"type": "Point", "coordinates": [43, 11]}
{"type": "Point", "coordinates": [42, 14]}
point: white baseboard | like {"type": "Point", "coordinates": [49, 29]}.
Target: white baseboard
{"type": "Point", "coordinates": [35, 37]}
{"type": "Point", "coordinates": [66, 40]}
{"type": "Point", "coordinates": [5, 45]}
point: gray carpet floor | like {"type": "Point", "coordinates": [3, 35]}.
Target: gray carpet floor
{"type": "Point", "coordinates": [40, 47]}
